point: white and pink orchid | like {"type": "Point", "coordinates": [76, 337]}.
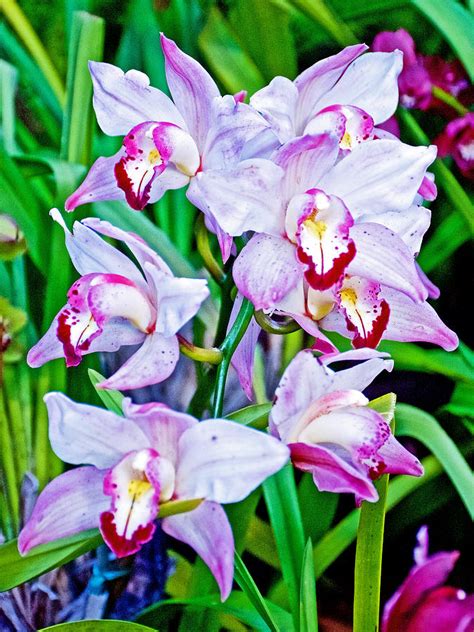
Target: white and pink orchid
{"type": "Point", "coordinates": [323, 417]}
{"type": "Point", "coordinates": [116, 303]}
{"type": "Point", "coordinates": [168, 144]}
{"type": "Point", "coordinates": [136, 463]}
{"type": "Point", "coordinates": [344, 254]}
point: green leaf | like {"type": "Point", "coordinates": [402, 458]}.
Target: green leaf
{"type": "Point", "coordinates": [456, 23]}
{"type": "Point", "coordinates": [308, 610]}
{"type": "Point", "coordinates": [282, 503]}
{"type": "Point", "coordinates": [237, 605]}
{"type": "Point", "coordinates": [112, 400]}
{"type": "Point", "coordinates": [446, 239]}
{"type": "Point", "coordinates": [92, 625]}
{"type": "Point", "coordinates": [416, 423]}
{"type": "Point", "coordinates": [249, 587]}
{"type": "Point", "coordinates": [255, 415]}
{"type": "Point", "coordinates": [319, 508]}
{"type": "Point", "coordinates": [225, 56]}
{"type": "Point", "coordinates": [385, 405]}
{"type": "Point", "coordinates": [8, 86]}
{"type": "Point", "coordinates": [321, 13]}
{"type": "Point", "coordinates": [15, 569]}
{"type": "Point", "coordinates": [462, 401]}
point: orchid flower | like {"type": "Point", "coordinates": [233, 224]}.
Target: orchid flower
{"type": "Point", "coordinates": [137, 463]}
{"type": "Point", "coordinates": [422, 602]}
{"type": "Point", "coordinates": [324, 418]}
{"type": "Point", "coordinates": [116, 303]}
{"type": "Point", "coordinates": [457, 140]}
{"type": "Point", "coordinates": [349, 231]}
{"type": "Point", "coordinates": [168, 144]}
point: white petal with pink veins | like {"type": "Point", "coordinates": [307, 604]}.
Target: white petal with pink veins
{"type": "Point", "coordinates": [351, 124]}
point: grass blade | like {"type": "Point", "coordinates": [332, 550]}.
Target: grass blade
{"type": "Point", "coordinates": [308, 609]}
{"type": "Point", "coordinates": [247, 584]}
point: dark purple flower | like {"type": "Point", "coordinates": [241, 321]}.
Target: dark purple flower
{"type": "Point", "coordinates": [457, 140]}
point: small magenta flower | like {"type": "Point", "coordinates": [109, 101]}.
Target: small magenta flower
{"type": "Point", "coordinates": [457, 140]}
{"type": "Point", "coordinates": [116, 303]}
{"type": "Point", "coordinates": [331, 432]}
{"type": "Point", "coordinates": [420, 73]}
{"type": "Point", "coordinates": [422, 602]}
{"type": "Point", "coordinates": [169, 144]}
{"type": "Point", "coordinates": [136, 463]}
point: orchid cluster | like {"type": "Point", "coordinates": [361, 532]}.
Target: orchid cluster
{"type": "Point", "coordinates": [330, 209]}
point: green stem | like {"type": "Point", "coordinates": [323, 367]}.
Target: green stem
{"type": "Point", "coordinates": [449, 99]}
{"type": "Point", "coordinates": [228, 347]}
{"type": "Point", "coordinates": [204, 249]}
{"type": "Point", "coordinates": [368, 562]}
{"type": "Point", "coordinates": [199, 354]}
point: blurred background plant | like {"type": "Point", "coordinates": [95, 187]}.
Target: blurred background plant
{"type": "Point", "coordinates": [48, 137]}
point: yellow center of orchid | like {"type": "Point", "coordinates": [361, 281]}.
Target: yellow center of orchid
{"type": "Point", "coordinates": [137, 487]}
{"type": "Point", "coordinates": [348, 295]}
{"type": "Point", "coordinates": [154, 157]}
{"type": "Point", "coordinates": [346, 141]}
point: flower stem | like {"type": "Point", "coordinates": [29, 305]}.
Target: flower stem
{"type": "Point", "coordinates": [202, 242]}
{"type": "Point", "coordinates": [449, 99]}
{"type": "Point", "coordinates": [368, 562]}
{"type": "Point", "coordinates": [199, 354]}
{"type": "Point", "coordinates": [228, 347]}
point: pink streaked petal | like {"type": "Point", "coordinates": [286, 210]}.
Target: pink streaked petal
{"type": "Point", "coordinates": [239, 97]}
{"type": "Point", "coordinates": [243, 358]}
{"type": "Point", "coordinates": [134, 486]}
{"type": "Point", "coordinates": [322, 235]}
{"type": "Point", "coordinates": [162, 425]}
{"type": "Point", "coordinates": [351, 125]}
{"type": "Point", "coordinates": [240, 198]}
{"type": "Point", "coordinates": [154, 361]}
{"type": "Point", "coordinates": [410, 225]}
{"type": "Point", "coordinates": [398, 460]}
{"type": "Point", "coordinates": [421, 580]}
{"type": "Point", "coordinates": [303, 382]}
{"type": "Point", "coordinates": [266, 270]}
{"type": "Point", "coordinates": [305, 160]}
{"type": "Point", "coordinates": [366, 312]}
{"type": "Point", "coordinates": [123, 100]}
{"type": "Point", "coordinates": [428, 189]}
{"type": "Point", "coordinates": [192, 88]}
{"type": "Point", "coordinates": [359, 377]}
{"type": "Point", "coordinates": [277, 104]}
{"type": "Point", "coordinates": [318, 79]}
{"type": "Point", "coordinates": [432, 289]}
{"type": "Point", "coordinates": [445, 608]}
{"type": "Point", "coordinates": [207, 530]}
{"type": "Point", "coordinates": [382, 256]}
{"type": "Point", "coordinates": [86, 434]}
{"type": "Point", "coordinates": [387, 41]}
{"type": "Point", "coordinates": [234, 125]}
{"type": "Point", "coordinates": [330, 472]}
{"type": "Point", "coordinates": [99, 184]}
{"type": "Point", "coordinates": [178, 299]}
{"type": "Point", "coordinates": [177, 146]}
{"type": "Point", "coordinates": [416, 322]}
{"type": "Point", "coordinates": [71, 503]}
{"type": "Point", "coordinates": [369, 83]}
{"type": "Point", "coordinates": [140, 165]}
{"type": "Point", "coordinates": [225, 461]}
{"type": "Point", "coordinates": [383, 175]}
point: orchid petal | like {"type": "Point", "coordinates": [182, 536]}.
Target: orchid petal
{"type": "Point", "coordinates": [382, 256]}
{"type": "Point", "coordinates": [134, 485]}
{"type": "Point", "coordinates": [266, 270]}
{"type": "Point", "coordinates": [178, 147]}
{"type": "Point", "coordinates": [398, 460]}
{"type": "Point", "coordinates": [445, 608]}
{"type": "Point", "coordinates": [240, 198]}
{"type": "Point", "coordinates": [86, 434]}
{"type": "Point", "coordinates": [318, 79]}
{"type": "Point", "coordinates": [243, 357]}
{"type": "Point", "coordinates": [277, 104]}
{"type": "Point", "coordinates": [207, 530]}
{"type": "Point", "coordinates": [234, 125]}
{"type": "Point", "coordinates": [162, 426]}
{"type": "Point", "coordinates": [322, 235]}
{"type": "Point", "coordinates": [369, 83]}
{"type": "Point", "coordinates": [123, 100]}
{"type": "Point", "coordinates": [379, 176]}
{"type": "Point", "coordinates": [418, 322]}
{"type": "Point", "coordinates": [366, 313]}
{"type": "Point", "coordinates": [100, 183]}
{"type": "Point", "coordinates": [192, 88]}
{"type": "Point", "coordinates": [305, 160]}
{"type": "Point", "coordinates": [359, 377]}
{"type": "Point", "coordinates": [154, 361]}
{"type": "Point", "coordinates": [331, 473]}
{"type": "Point", "coordinates": [432, 289]}
{"type": "Point", "coordinates": [178, 299]}
{"type": "Point", "coordinates": [225, 461]}
{"type": "Point", "coordinates": [351, 125]}
{"type": "Point", "coordinates": [71, 503]}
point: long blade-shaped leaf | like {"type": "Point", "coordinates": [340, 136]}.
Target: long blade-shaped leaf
{"type": "Point", "coordinates": [308, 610]}
{"type": "Point", "coordinates": [247, 584]}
